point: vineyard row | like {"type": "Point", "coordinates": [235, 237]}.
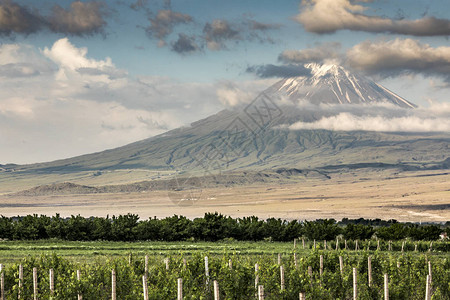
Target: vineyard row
{"type": "Point", "coordinates": [319, 275]}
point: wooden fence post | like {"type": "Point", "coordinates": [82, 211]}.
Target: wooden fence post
{"type": "Point", "coordinates": [302, 296]}
{"type": "Point", "coordinates": [207, 270]}
{"type": "Point", "coordinates": [279, 259]}
{"type": "Point", "coordinates": [20, 280]}
{"type": "Point", "coordinates": [337, 244]}
{"type": "Point", "coordinates": [180, 289]}
{"type": "Point", "coordinates": [356, 245]}
{"type": "Point", "coordinates": [390, 246]}
{"type": "Point", "coordinates": [430, 273]}
{"type": "Point", "coordinates": [52, 282]}
{"type": "Point", "coordinates": [303, 243]}
{"type": "Point", "coordinates": [146, 265]}
{"type": "Point", "coordinates": [341, 265]}
{"type": "Point", "coordinates": [355, 284]}
{"type": "Point", "coordinates": [428, 289]}
{"type": "Point", "coordinates": [295, 243]}
{"type": "Point", "coordinates": [325, 245]}
{"type": "Point", "coordinates": [216, 290]}
{"type": "Point", "coordinates": [260, 292]}
{"type": "Point", "coordinates": [256, 276]}
{"type": "Point", "coordinates": [35, 284]}
{"type": "Point", "coordinates": [282, 277]}
{"type": "Point", "coordinates": [113, 285]}
{"type": "Point", "coordinates": [2, 285]}
{"type": "Point", "coordinates": [369, 270]}
{"type": "Point", "coordinates": [415, 247]}
{"type": "Point", "coordinates": [345, 244]}
{"type": "Point", "coordinates": [80, 297]}
{"type": "Point", "coordinates": [295, 259]}
{"type": "Point", "coordinates": [184, 263]}
{"type": "Point", "coordinates": [230, 264]}
{"type": "Point", "coordinates": [378, 245]}
{"type": "Point", "coordinates": [386, 287]}
{"type": "Point", "coordinates": [166, 261]}
{"type": "Point", "coordinates": [145, 287]}
{"type": "Point", "coordinates": [321, 267]}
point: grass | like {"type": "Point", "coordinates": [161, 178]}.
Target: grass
{"type": "Point", "coordinates": [86, 252]}
{"type": "Point", "coordinates": [12, 251]}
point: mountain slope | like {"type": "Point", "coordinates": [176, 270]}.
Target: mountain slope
{"type": "Point", "coordinates": [255, 136]}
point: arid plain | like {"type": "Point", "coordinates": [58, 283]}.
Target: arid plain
{"type": "Point", "coordinates": [407, 196]}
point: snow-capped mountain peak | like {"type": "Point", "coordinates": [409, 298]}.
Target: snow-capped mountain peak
{"type": "Point", "coordinates": [333, 84]}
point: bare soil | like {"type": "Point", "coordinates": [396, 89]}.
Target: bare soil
{"type": "Point", "coordinates": [409, 196]}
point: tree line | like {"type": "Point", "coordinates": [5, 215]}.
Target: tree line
{"type": "Point", "coordinates": [210, 227]}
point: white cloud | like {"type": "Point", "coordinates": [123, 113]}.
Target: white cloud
{"type": "Point", "coordinates": [232, 94]}
{"type": "Point", "coordinates": [66, 55]}
{"type": "Point", "coordinates": [59, 102]}
{"type": "Point", "coordinates": [328, 16]}
{"type": "Point", "coordinates": [436, 118]}
{"type": "Point", "coordinates": [320, 53]}
{"type": "Point", "coordinates": [399, 56]}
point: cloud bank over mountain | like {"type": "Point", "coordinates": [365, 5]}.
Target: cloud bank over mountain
{"type": "Point", "coordinates": [435, 118]}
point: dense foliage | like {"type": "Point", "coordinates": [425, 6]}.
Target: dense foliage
{"type": "Point", "coordinates": [407, 276]}
{"type": "Point", "coordinates": [211, 227]}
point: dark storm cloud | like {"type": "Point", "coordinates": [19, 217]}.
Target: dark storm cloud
{"type": "Point", "coordinates": [15, 18]}
{"type": "Point", "coordinates": [259, 31]}
{"type": "Point", "coordinates": [218, 32]}
{"type": "Point", "coordinates": [283, 71]}
{"type": "Point", "coordinates": [255, 25]}
{"type": "Point", "coordinates": [163, 23]}
{"type": "Point", "coordinates": [82, 18]}
{"type": "Point", "coordinates": [185, 44]}
{"type": "Point", "coordinates": [329, 16]}
{"type": "Point", "coordinates": [139, 4]}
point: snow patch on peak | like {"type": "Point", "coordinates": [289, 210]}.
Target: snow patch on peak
{"type": "Point", "coordinates": [318, 70]}
{"type": "Point", "coordinates": [333, 84]}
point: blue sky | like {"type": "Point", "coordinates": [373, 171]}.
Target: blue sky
{"type": "Point", "coordinates": [83, 76]}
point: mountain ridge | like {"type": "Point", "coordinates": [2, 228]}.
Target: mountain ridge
{"type": "Point", "coordinates": [251, 137]}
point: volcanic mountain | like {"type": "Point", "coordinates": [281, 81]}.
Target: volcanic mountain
{"type": "Point", "coordinates": [256, 136]}
{"type": "Point", "coordinates": [332, 84]}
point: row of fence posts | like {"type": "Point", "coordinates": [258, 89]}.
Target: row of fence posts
{"type": "Point", "coordinates": [258, 288]}
{"type": "Point", "coordinates": [357, 245]}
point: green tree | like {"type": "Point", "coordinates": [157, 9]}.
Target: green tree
{"type": "Point", "coordinates": [122, 227]}
{"type": "Point", "coordinates": [325, 229]}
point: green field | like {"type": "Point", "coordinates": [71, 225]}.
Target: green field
{"type": "Point", "coordinates": [14, 251]}
{"type": "Point", "coordinates": [407, 270]}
